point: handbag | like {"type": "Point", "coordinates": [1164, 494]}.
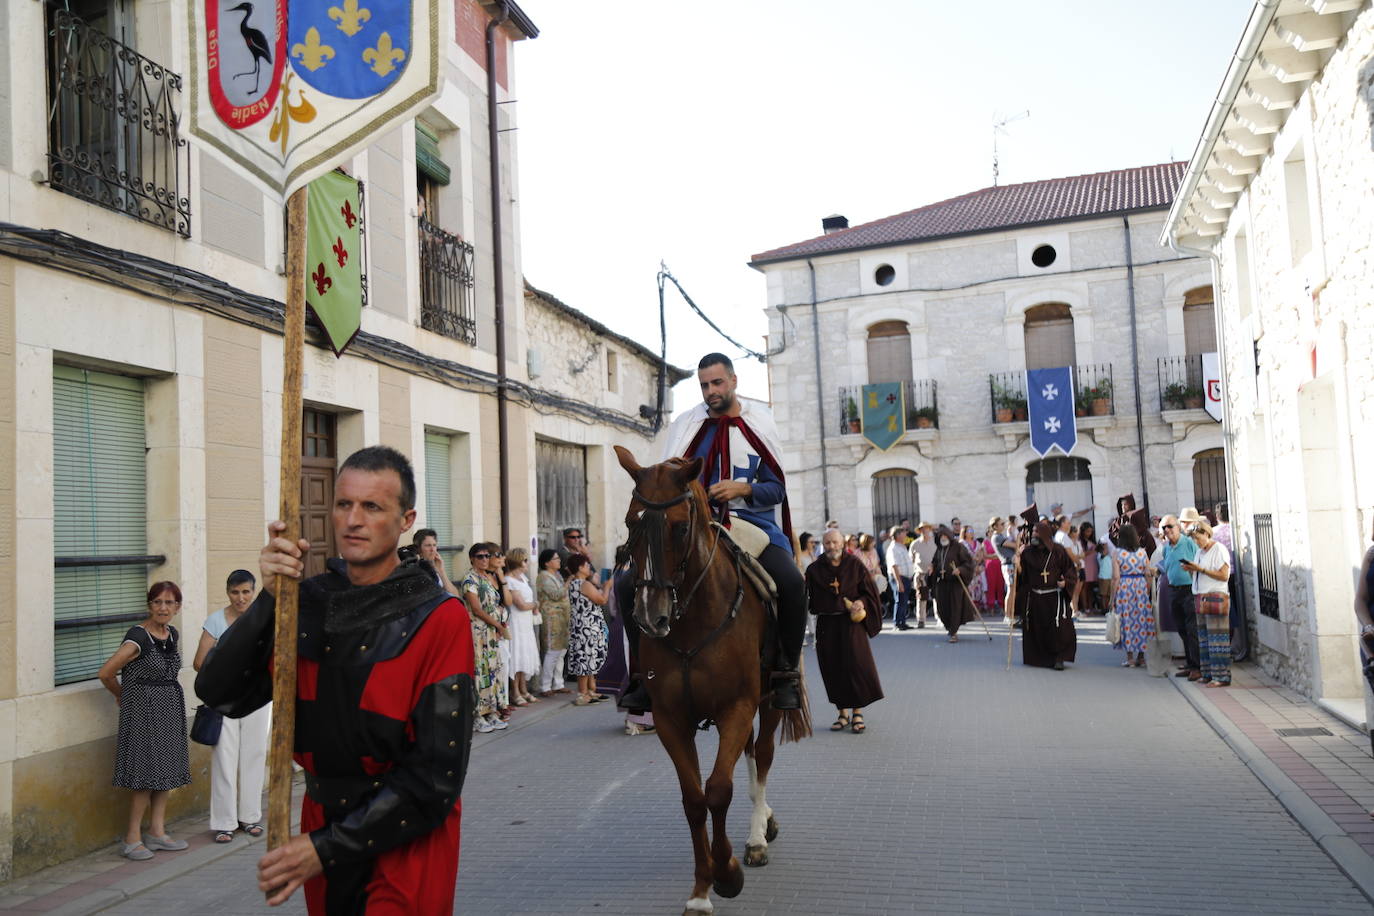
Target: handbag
{"type": "Point", "coordinates": [880, 582]}
{"type": "Point", "coordinates": [205, 727]}
{"type": "Point", "coordinates": [538, 618]}
{"type": "Point", "coordinates": [1113, 628]}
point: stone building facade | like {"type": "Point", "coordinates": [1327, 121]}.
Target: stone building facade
{"type": "Point", "coordinates": [1277, 194]}
{"type": "Point", "coordinates": [955, 300]}
{"type": "Point", "coordinates": [141, 365]}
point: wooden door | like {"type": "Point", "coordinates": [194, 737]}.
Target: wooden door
{"type": "Point", "coordinates": [319, 463]}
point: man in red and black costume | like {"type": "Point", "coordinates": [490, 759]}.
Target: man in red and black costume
{"type": "Point", "coordinates": [384, 706]}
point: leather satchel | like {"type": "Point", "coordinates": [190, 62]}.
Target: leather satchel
{"type": "Point", "coordinates": [206, 725]}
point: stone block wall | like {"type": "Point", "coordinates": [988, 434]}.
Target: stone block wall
{"type": "Point", "coordinates": [964, 305]}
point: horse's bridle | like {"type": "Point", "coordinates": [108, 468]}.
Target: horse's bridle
{"type": "Point", "coordinates": [650, 526]}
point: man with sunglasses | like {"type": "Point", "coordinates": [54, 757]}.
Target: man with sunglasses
{"type": "Point", "coordinates": [1179, 550]}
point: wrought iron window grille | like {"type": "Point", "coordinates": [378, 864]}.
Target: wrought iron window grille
{"type": "Point", "coordinates": [446, 284]}
{"type": "Point", "coordinates": [114, 135]}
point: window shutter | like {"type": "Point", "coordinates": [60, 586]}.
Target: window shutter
{"type": "Point", "coordinates": [439, 486]}
{"type": "Point", "coordinates": [1199, 329]}
{"type": "Point", "coordinates": [889, 352]}
{"type": "Point", "coordinates": [1049, 336]}
{"type": "Point", "coordinates": [428, 159]}
{"type": "Point", "coordinates": [99, 509]}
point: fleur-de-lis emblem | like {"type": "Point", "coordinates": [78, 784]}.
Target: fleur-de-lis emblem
{"type": "Point", "coordinates": [312, 54]}
{"type": "Point", "coordinates": [322, 282]}
{"type": "Point", "coordinates": [384, 57]}
{"type": "Point", "coordinates": [340, 252]}
{"type": "Point", "coordinates": [346, 211]}
{"type": "Point", "coordinates": [302, 112]}
{"type": "Point", "coordinates": [350, 18]}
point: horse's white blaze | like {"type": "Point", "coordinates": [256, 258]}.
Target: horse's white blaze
{"type": "Point", "coordinates": [758, 794]}
{"type": "Point", "coordinates": [700, 905]}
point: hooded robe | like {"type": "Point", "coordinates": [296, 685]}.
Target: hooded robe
{"type": "Point", "coordinates": [949, 587]}
{"type": "Point", "coordinates": [1048, 635]}
{"type": "Point", "coordinates": [842, 650]}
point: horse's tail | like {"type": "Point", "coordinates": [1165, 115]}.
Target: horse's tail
{"type": "Point", "coordinates": [796, 723]}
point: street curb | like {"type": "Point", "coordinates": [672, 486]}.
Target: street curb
{"type": "Point", "coordinates": [183, 864]}
{"type": "Point", "coordinates": [146, 880]}
{"type": "Point", "coordinates": [1343, 850]}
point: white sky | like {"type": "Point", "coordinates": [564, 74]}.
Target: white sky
{"type": "Point", "coordinates": [702, 133]}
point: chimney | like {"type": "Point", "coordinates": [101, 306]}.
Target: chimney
{"type": "Point", "coordinates": [834, 223]}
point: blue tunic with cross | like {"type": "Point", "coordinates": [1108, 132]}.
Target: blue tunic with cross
{"type": "Point", "coordinates": [764, 507]}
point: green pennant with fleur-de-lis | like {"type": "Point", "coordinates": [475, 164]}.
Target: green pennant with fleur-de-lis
{"type": "Point", "coordinates": [334, 257]}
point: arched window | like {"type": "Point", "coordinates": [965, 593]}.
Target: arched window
{"type": "Point", "coordinates": [1066, 482]}
{"type": "Point", "coordinates": [895, 497]}
{"type": "Point", "coordinates": [1049, 336]}
{"type": "Point", "coordinates": [1199, 321]}
{"type": "Point", "coordinates": [1209, 479]}
{"type": "Point", "coordinates": [889, 352]}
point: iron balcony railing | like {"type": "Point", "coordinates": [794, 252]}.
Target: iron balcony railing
{"type": "Point", "coordinates": [114, 135]}
{"type": "Point", "coordinates": [1266, 566]}
{"type": "Point", "coordinates": [446, 299]}
{"type": "Point", "coordinates": [1180, 383]}
{"type": "Point", "coordinates": [921, 401]}
{"type": "Point", "coordinates": [1094, 393]}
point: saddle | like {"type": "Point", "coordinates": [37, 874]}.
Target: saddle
{"type": "Point", "coordinates": [748, 541]}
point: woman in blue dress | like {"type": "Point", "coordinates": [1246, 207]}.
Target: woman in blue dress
{"type": "Point", "coordinates": [1130, 598]}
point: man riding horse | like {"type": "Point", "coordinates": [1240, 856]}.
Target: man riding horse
{"type": "Point", "coordinates": [738, 442]}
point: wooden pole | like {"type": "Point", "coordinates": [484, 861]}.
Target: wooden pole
{"type": "Point", "coordinates": [288, 589]}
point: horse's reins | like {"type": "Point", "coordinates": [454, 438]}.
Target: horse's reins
{"type": "Point", "coordinates": [650, 525]}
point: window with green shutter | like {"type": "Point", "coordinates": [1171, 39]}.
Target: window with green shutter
{"type": "Point", "coordinates": [439, 485]}
{"type": "Point", "coordinates": [100, 529]}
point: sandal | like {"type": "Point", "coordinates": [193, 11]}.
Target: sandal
{"type": "Point", "coordinates": [224, 836]}
{"type": "Point", "coordinates": [520, 701]}
{"type": "Point", "coordinates": [253, 830]}
{"type": "Point", "coordinates": [843, 722]}
{"type": "Point", "coordinates": [858, 726]}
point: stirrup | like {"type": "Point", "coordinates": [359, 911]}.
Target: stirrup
{"type": "Point", "coordinates": [636, 697]}
{"type": "Point", "coordinates": [786, 694]}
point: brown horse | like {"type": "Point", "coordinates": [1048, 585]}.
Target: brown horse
{"type": "Point", "coordinates": [701, 656]}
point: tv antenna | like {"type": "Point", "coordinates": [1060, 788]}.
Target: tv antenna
{"type": "Point", "coordinates": [999, 126]}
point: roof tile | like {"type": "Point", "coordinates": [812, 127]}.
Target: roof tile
{"type": "Point", "coordinates": [1003, 207]}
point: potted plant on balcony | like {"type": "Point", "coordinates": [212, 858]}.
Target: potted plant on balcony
{"type": "Point", "coordinates": [851, 415]}
{"type": "Point", "coordinates": [1080, 402]}
{"type": "Point", "coordinates": [926, 417]}
{"type": "Point", "coordinates": [1003, 400]}
{"type": "Point", "coordinates": [1019, 409]}
{"type": "Point", "coordinates": [1099, 398]}
{"type": "Point", "coordinates": [1174, 394]}
{"type": "Point", "coordinates": [1193, 397]}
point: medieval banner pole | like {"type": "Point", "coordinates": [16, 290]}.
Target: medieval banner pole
{"type": "Point", "coordinates": [288, 589]}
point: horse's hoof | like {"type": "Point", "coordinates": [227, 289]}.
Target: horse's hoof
{"type": "Point", "coordinates": [697, 906]}
{"type": "Point", "coordinates": [771, 831]}
{"type": "Point", "coordinates": [732, 882]}
{"type": "Point", "coordinates": [756, 856]}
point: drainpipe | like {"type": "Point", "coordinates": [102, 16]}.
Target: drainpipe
{"type": "Point", "coordinates": [1135, 366]}
{"type": "Point", "coordinates": [820, 390]}
{"type": "Point", "coordinates": [498, 278]}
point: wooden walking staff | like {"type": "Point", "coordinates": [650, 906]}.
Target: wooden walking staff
{"type": "Point", "coordinates": [288, 589]}
{"type": "Point", "coordinates": [976, 613]}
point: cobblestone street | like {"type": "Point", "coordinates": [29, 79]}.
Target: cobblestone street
{"type": "Point", "coordinates": [975, 790]}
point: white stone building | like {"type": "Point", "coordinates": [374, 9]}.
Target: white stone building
{"type": "Point", "coordinates": [1278, 194]}
{"type": "Point", "coordinates": [955, 300]}
{"type": "Point", "coordinates": [141, 363]}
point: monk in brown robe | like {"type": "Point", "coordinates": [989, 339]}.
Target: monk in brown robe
{"type": "Point", "coordinates": [839, 589]}
{"type": "Point", "coordinates": [1047, 574]}
{"type": "Point", "coordinates": [952, 570]}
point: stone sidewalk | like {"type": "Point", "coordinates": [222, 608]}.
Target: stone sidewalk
{"type": "Point", "coordinates": [976, 789]}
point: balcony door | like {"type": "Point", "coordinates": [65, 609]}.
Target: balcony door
{"type": "Point", "coordinates": [319, 463]}
{"type": "Point", "coordinates": [1199, 322]}
{"type": "Point", "coordinates": [889, 352]}
{"type": "Point", "coordinates": [1049, 336]}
